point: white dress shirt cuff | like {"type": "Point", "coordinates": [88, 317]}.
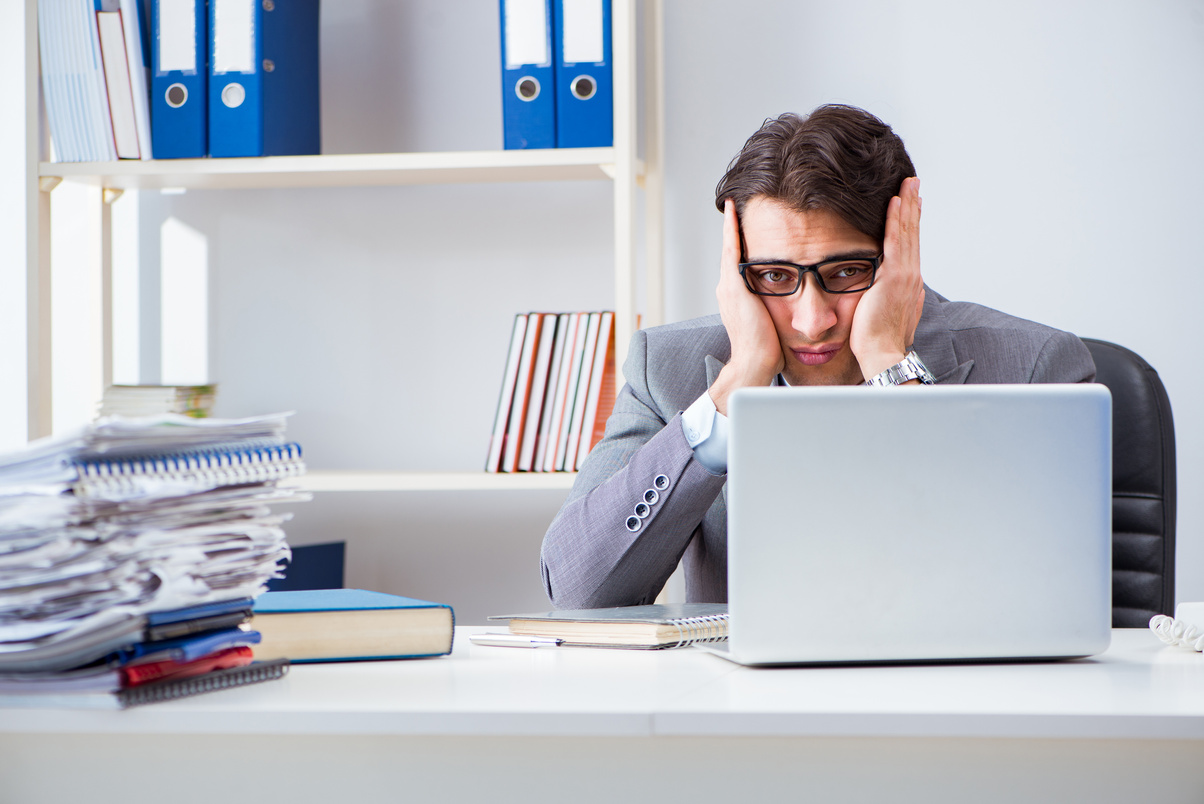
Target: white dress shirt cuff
{"type": "Point", "coordinates": [705, 430]}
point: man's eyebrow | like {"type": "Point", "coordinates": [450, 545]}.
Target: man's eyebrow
{"type": "Point", "coordinates": [858, 254]}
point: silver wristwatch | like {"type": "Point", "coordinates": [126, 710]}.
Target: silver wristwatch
{"type": "Point", "coordinates": [909, 368]}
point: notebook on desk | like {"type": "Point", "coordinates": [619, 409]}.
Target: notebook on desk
{"type": "Point", "coordinates": [944, 523]}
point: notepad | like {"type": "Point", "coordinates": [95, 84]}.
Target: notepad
{"type": "Point", "coordinates": [649, 627]}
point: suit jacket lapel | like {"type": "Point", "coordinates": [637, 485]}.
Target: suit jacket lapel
{"type": "Point", "coordinates": [714, 366]}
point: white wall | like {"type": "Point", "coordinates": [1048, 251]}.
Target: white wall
{"type": "Point", "coordinates": [1057, 143]}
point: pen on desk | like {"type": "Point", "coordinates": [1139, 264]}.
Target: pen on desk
{"type": "Point", "coordinates": [503, 640]}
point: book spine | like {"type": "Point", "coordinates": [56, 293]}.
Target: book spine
{"type": "Point", "coordinates": [171, 689]}
{"type": "Point", "coordinates": [501, 421]}
{"type": "Point", "coordinates": [539, 392]}
{"type": "Point", "coordinates": [601, 400]}
{"type": "Point", "coordinates": [573, 352]}
{"type": "Point", "coordinates": [522, 389]}
{"type": "Point", "coordinates": [582, 394]}
{"type": "Point", "coordinates": [547, 435]}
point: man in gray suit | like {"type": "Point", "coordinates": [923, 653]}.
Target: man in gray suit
{"type": "Point", "coordinates": [819, 284]}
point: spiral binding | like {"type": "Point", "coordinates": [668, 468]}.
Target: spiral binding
{"type": "Point", "coordinates": [232, 465]}
{"type": "Point", "coordinates": [170, 688]}
{"type": "Point", "coordinates": [698, 630]}
{"type": "Point", "coordinates": [1177, 633]}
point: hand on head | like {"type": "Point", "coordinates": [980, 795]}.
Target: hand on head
{"type": "Point", "coordinates": [756, 351]}
{"type": "Point", "coordinates": [884, 324]}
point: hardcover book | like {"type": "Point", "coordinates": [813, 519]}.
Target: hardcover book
{"type": "Point", "coordinates": [346, 625]}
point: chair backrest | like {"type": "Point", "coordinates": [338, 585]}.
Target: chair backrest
{"type": "Point", "coordinates": [1143, 486]}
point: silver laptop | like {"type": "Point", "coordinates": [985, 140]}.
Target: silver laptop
{"type": "Point", "coordinates": [946, 523]}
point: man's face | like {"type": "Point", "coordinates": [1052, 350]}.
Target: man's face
{"type": "Point", "coordinates": [813, 326]}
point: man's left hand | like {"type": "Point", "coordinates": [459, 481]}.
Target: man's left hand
{"type": "Point", "coordinates": [884, 324]}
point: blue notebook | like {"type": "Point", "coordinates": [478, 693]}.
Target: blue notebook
{"type": "Point", "coordinates": [346, 625]}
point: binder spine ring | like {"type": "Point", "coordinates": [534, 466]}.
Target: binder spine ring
{"type": "Point", "coordinates": [583, 87]}
{"type": "Point", "coordinates": [698, 630]}
{"type": "Point", "coordinates": [176, 95]}
{"type": "Point", "coordinates": [527, 88]}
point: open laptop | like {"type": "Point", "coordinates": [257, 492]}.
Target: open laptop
{"type": "Point", "coordinates": [944, 523]}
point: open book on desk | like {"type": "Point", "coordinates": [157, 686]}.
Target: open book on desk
{"type": "Point", "coordinates": [642, 627]}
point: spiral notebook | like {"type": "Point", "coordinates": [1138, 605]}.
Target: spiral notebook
{"type": "Point", "coordinates": [235, 463]}
{"type": "Point", "coordinates": [102, 687]}
{"type": "Point", "coordinates": [650, 627]}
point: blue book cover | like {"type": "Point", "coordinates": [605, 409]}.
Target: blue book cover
{"type": "Point", "coordinates": [341, 625]}
{"type": "Point", "coordinates": [187, 648]}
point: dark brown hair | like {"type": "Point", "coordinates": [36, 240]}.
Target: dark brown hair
{"type": "Point", "coordinates": [838, 158]}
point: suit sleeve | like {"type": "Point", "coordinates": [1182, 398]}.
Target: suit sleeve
{"type": "Point", "coordinates": [599, 551]}
{"type": "Point", "coordinates": [1063, 358]}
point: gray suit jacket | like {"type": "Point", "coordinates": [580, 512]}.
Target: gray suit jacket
{"type": "Point", "coordinates": [591, 559]}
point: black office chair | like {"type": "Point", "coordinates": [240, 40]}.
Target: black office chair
{"type": "Point", "coordinates": [1143, 486]}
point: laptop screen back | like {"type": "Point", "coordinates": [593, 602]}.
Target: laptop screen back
{"type": "Point", "coordinates": [914, 524]}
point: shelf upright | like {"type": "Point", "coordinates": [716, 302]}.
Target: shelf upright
{"type": "Point", "coordinates": [38, 390]}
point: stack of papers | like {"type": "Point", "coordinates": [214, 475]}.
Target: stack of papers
{"type": "Point", "coordinates": [79, 574]}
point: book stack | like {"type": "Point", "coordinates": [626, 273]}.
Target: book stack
{"type": "Point", "coordinates": [95, 78]}
{"type": "Point", "coordinates": [150, 400]}
{"type": "Point", "coordinates": [558, 390]}
{"type": "Point", "coordinates": [131, 552]}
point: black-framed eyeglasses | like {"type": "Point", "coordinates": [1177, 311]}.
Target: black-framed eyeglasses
{"type": "Point", "coordinates": [833, 276]}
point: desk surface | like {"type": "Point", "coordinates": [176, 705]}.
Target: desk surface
{"type": "Point", "coordinates": [1137, 689]}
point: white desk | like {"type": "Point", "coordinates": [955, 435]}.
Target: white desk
{"type": "Point", "coordinates": [559, 724]}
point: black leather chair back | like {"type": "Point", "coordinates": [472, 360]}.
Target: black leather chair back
{"type": "Point", "coordinates": [1143, 486]}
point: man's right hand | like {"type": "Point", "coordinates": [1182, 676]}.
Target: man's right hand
{"type": "Point", "coordinates": [756, 351]}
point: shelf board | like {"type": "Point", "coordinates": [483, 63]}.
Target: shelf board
{"type": "Point", "coordinates": [432, 481]}
{"type": "Point", "coordinates": [340, 170]}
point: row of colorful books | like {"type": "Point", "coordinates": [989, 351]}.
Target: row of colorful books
{"type": "Point", "coordinates": [131, 553]}
{"type": "Point", "coordinates": [557, 392]}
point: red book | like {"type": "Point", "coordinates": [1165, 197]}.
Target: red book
{"type": "Point", "coordinates": [601, 399]}
{"type": "Point", "coordinates": [137, 674]}
{"type": "Point", "coordinates": [497, 441]}
{"type": "Point", "coordinates": [539, 392]}
{"type": "Point", "coordinates": [522, 391]}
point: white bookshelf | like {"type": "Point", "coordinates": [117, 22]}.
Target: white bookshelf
{"type": "Point", "coordinates": [342, 170]}
{"type": "Point", "coordinates": [627, 170]}
{"type": "Point", "coordinates": [433, 481]}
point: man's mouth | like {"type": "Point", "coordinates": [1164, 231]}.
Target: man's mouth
{"type": "Point", "coordinates": [817, 356]}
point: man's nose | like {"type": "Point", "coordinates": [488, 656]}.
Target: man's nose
{"type": "Point", "coordinates": [813, 313]}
